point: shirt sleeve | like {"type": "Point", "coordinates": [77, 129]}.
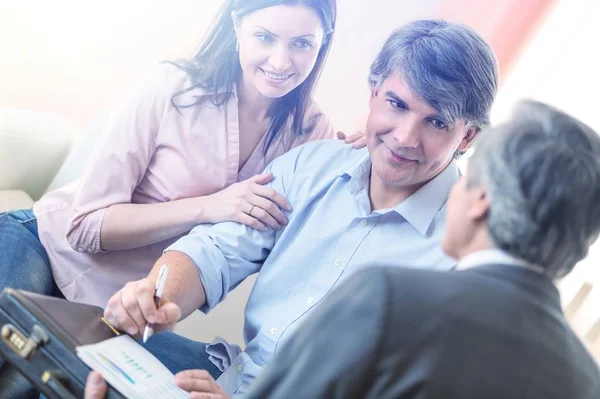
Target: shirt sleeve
{"type": "Point", "coordinates": [228, 252]}
{"type": "Point", "coordinates": [334, 352]}
{"type": "Point", "coordinates": [120, 161]}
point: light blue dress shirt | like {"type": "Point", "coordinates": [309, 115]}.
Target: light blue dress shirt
{"type": "Point", "coordinates": [331, 234]}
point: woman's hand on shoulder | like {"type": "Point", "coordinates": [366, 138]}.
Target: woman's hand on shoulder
{"type": "Point", "coordinates": [357, 139]}
{"type": "Point", "coordinates": [248, 202]}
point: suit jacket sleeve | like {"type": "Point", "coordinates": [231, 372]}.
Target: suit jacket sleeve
{"type": "Point", "coordinates": [334, 353]}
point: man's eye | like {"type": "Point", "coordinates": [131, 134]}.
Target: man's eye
{"type": "Point", "coordinates": [438, 124]}
{"type": "Point", "coordinates": [303, 44]}
{"type": "Point", "coordinates": [265, 37]}
{"type": "Point", "coordinates": [397, 104]}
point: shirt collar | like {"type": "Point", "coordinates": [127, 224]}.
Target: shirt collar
{"type": "Point", "coordinates": [495, 256]}
{"type": "Point", "coordinates": [422, 206]}
{"type": "Point", "coordinates": [359, 170]}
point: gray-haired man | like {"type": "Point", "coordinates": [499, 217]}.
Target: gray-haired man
{"type": "Point", "coordinates": [525, 213]}
{"type": "Point", "coordinates": [433, 85]}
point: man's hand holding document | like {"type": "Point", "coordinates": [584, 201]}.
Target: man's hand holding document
{"type": "Point", "coordinates": [131, 369]}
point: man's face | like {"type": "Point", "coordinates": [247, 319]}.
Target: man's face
{"type": "Point", "coordinates": [456, 234]}
{"type": "Point", "coordinates": [466, 213]}
{"type": "Point", "coordinates": [408, 141]}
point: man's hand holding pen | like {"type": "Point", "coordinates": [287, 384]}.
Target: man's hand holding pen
{"type": "Point", "coordinates": [137, 305]}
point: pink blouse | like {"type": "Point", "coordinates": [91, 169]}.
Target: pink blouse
{"type": "Point", "coordinates": [149, 153]}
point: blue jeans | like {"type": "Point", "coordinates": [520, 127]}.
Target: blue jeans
{"type": "Point", "coordinates": [24, 264]}
{"type": "Point", "coordinates": [179, 353]}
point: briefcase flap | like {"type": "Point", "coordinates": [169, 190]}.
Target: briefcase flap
{"type": "Point", "coordinates": [39, 336]}
{"type": "Point", "coordinates": [73, 323]}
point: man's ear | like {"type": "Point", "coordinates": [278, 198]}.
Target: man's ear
{"type": "Point", "coordinates": [374, 91]}
{"type": "Point", "coordinates": [479, 204]}
{"type": "Point", "coordinates": [470, 136]}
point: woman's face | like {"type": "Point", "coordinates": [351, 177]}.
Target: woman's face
{"type": "Point", "coordinates": [278, 48]}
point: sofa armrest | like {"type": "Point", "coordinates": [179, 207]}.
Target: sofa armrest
{"type": "Point", "coordinates": [33, 146]}
{"type": "Point", "coordinates": [14, 199]}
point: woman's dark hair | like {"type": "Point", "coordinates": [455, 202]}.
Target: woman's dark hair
{"type": "Point", "coordinates": [216, 68]}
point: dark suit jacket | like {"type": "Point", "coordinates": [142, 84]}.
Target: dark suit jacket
{"type": "Point", "coordinates": [494, 331]}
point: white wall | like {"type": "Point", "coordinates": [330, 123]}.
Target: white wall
{"type": "Point", "coordinates": [76, 58]}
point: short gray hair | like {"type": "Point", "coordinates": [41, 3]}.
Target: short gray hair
{"type": "Point", "coordinates": [448, 65]}
{"type": "Point", "coordinates": [542, 173]}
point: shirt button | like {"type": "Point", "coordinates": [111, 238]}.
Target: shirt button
{"type": "Point", "coordinates": [337, 261]}
{"type": "Point", "coordinates": [364, 223]}
{"type": "Point", "coordinates": [273, 331]}
{"type": "Point", "coordinates": [239, 368]}
{"type": "Point", "coordinates": [310, 300]}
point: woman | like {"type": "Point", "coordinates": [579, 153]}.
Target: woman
{"type": "Point", "coordinates": [182, 150]}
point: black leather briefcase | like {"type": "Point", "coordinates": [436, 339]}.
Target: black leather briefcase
{"type": "Point", "coordinates": [39, 337]}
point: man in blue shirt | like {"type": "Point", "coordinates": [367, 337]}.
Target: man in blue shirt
{"type": "Point", "coordinates": [433, 85]}
{"type": "Point", "coordinates": [525, 213]}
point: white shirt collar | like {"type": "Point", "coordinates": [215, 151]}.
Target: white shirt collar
{"type": "Point", "coordinates": [495, 256]}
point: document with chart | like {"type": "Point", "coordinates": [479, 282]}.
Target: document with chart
{"type": "Point", "coordinates": [131, 369]}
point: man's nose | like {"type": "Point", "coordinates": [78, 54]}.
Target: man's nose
{"type": "Point", "coordinates": [407, 134]}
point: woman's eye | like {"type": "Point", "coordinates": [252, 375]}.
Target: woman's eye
{"type": "Point", "coordinates": [265, 37]}
{"type": "Point", "coordinates": [303, 44]}
{"type": "Point", "coordinates": [438, 124]}
{"type": "Point", "coordinates": [397, 104]}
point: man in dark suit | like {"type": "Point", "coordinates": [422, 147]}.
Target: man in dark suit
{"type": "Point", "coordinates": [523, 216]}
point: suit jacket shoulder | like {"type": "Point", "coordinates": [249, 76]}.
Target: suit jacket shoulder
{"type": "Point", "coordinates": [494, 331]}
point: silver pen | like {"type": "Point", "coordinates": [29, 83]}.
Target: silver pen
{"type": "Point", "coordinates": [158, 293]}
